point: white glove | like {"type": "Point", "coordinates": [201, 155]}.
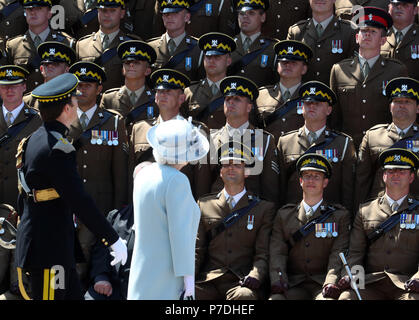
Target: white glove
{"type": "Point", "coordinates": [120, 252]}
{"type": "Point", "coordinates": [189, 282]}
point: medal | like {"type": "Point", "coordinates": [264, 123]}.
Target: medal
{"type": "Point", "coordinates": [99, 137]}
{"type": "Point", "coordinates": [115, 141]}
{"type": "Point", "coordinates": [403, 221]}
{"type": "Point", "coordinates": [250, 221]}
{"type": "Point", "coordinates": [150, 112]}
{"type": "Point", "coordinates": [414, 51]}
{"type": "Point", "coordinates": [93, 140]}
{"type": "Point", "coordinates": [188, 63]}
{"type": "Point", "coordinates": [329, 227]}
{"type": "Point", "coordinates": [335, 230]}
{"type": "Point", "coordinates": [208, 9]}
{"type": "Point", "coordinates": [384, 87]}
{"type": "Point", "coordinates": [299, 107]}
{"type": "Point", "coordinates": [334, 46]}
{"type": "Point", "coordinates": [318, 228]}
{"type": "Point", "coordinates": [340, 50]}
{"type": "Point", "coordinates": [264, 61]}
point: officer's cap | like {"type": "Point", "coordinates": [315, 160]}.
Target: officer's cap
{"type": "Point", "coordinates": [315, 162]}
{"type": "Point", "coordinates": [317, 91]}
{"type": "Point", "coordinates": [53, 51]}
{"type": "Point", "coordinates": [87, 71]}
{"type": "Point", "coordinates": [245, 5]}
{"type": "Point", "coordinates": [216, 43]}
{"type": "Point", "coordinates": [11, 74]}
{"type": "Point", "coordinates": [398, 158]}
{"type": "Point", "coordinates": [403, 87]}
{"type": "Point", "coordinates": [239, 86]}
{"type": "Point", "coordinates": [110, 4]}
{"type": "Point", "coordinates": [169, 79]}
{"type": "Point", "coordinates": [169, 6]}
{"type": "Point", "coordinates": [403, 1]}
{"type": "Point", "coordinates": [236, 151]}
{"type": "Point", "coordinates": [59, 88]}
{"type": "Point", "coordinates": [373, 17]}
{"type": "Point", "coordinates": [293, 50]}
{"type": "Point", "coordinates": [136, 50]}
{"type": "Point", "coordinates": [38, 3]}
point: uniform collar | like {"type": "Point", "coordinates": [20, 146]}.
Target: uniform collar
{"type": "Point", "coordinates": [43, 35]}
{"type": "Point", "coordinates": [111, 36]}
{"type": "Point", "coordinates": [56, 126]}
{"type": "Point", "coordinates": [403, 31]}
{"type": "Point", "coordinates": [324, 23]}
{"type": "Point", "coordinates": [291, 90]}
{"type": "Point", "coordinates": [252, 37]}
{"type": "Point", "coordinates": [15, 112]}
{"type": "Point", "coordinates": [371, 61]}
{"type": "Point", "coordinates": [89, 113]}
{"type": "Point", "coordinates": [315, 207]}
{"type": "Point", "coordinates": [240, 129]}
{"type": "Point", "coordinates": [177, 40]}
{"type": "Point", "coordinates": [318, 132]}
{"type": "Point", "coordinates": [236, 197]}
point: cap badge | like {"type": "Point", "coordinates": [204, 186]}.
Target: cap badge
{"type": "Point", "coordinates": [214, 43]}
{"type": "Point", "coordinates": [233, 85]}
{"type": "Point", "coordinates": [370, 16]}
{"type": "Point", "coordinates": [404, 87]}
{"type": "Point", "coordinates": [166, 78]}
{"type": "Point", "coordinates": [83, 71]}
{"type": "Point", "coordinates": [132, 49]}
{"type": "Point", "coordinates": [52, 51]}
{"type": "Point", "coordinates": [396, 157]}
{"type": "Point", "coordinates": [9, 73]}
{"type": "Point", "coordinates": [312, 90]}
{"type": "Point", "coordinates": [290, 49]}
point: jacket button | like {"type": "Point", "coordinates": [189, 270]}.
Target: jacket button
{"type": "Point", "coordinates": [307, 244]}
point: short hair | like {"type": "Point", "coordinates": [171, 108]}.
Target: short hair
{"type": "Point", "coordinates": [51, 111]}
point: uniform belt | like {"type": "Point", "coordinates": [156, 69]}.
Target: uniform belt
{"type": "Point", "coordinates": [45, 195]}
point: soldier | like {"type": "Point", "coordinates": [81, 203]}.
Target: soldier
{"type": "Point", "coordinates": [175, 48]}
{"type": "Point", "coordinates": [254, 55]}
{"type": "Point", "coordinates": [169, 86]}
{"type": "Point", "coordinates": [12, 20]}
{"type": "Point", "coordinates": [101, 47]}
{"type": "Point", "coordinates": [307, 238]}
{"type": "Point", "coordinates": [283, 14]}
{"type": "Point", "coordinates": [135, 99]}
{"type": "Point", "coordinates": [204, 100]}
{"type": "Point", "coordinates": [278, 106]}
{"type": "Point", "coordinates": [383, 239]}
{"type": "Point", "coordinates": [240, 95]}
{"type": "Point", "coordinates": [100, 139]}
{"type": "Point", "coordinates": [142, 15]}
{"type": "Point", "coordinates": [403, 38]}
{"type": "Point", "coordinates": [345, 8]}
{"type": "Point", "coordinates": [22, 50]}
{"type": "Point", "coordinates": [316, 137]}
{"type": "Point", "coordinates": [51, 192]}
{"type": "Point", "coordinates": [56, 59]}
{"type": "Point", "coordinates": [330, 38]}
{"type": "Point", "coordinates": [403, 132]}
{"type": "Point", "coordinates": [232, 261]}
{"type": "Point", "coordinates": [359, 82]}
{"type": "Point", "coordinates": [18, 120]}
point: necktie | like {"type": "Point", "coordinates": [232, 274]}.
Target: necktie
{"type": "Point", "coordinates": [171, 45]}
{"type": "Point", "coordinates": [9, 116]}
{"type": "Point", "coordinates": [105, 43]}
{"type": "Point", "coordinates": [246, 44]}
{"type": "Point", "coordinates": [399, 37]}
{"type": "Point", "coordinates": [309, 213]}
{"type": "Point", "coordinates": [83, 120]}
{"type": "Point", "coordinates": [286, 95]}
{"type": "Point", "coordinates": [365, 69]}
{"type": "Point", "coordinates": [214, 89]}
{"type": "Point", "coordinates": [319, 29]}
{"type": "Point", "coordinates": [401, 134]}
{"type": "Point", "coordinates": [230, 202]}
{"type": "Point", "coordinates": [133, 97]}
{"type": "Point", "coordinates": [312, 136]}
{"type": "Point", "coordinates": [37, 41]}
{"type": "Point", "coordinates": [394, 206]}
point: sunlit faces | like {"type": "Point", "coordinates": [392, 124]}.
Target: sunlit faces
{"type": "Point", "coordinates": [110, 18]}
{"type": "Point", "coordinates": [89, 92]}
{"type": "Point", "coordinates": [37, 16]}
{"type": "Point", "coordinates": [174, 22]}
{"type": "Point", "coordinates": [402, 13]}
{"type": "Point", "coordinates": [237, 107]}
{"type": "Point", "coordinates": [12, 94]}
{"type": "Point", "coordinates": [135, 69]}
{"type": "Point", "coordinates": [50, 70]}
{"type": "Point", "coordinates": [313, 182]}
{"type": "Point", "coordinates": [233, 172]}
{"type": "Point", "coordinates": [169, 99]}
{"type": "Point", "coordinates": [398, 179]}
{"type": "Point", "coordinates": [291, 69]}
{"type": "Point", "coordinates": [322, 6]}
{"type": "Point", "coordinates": [250, 21]}
{"type": "Point", "coordinates": [216, 65]}
{"type": "Point", "coordinates": [316, 111]}
{"type": "Point", "coordinates": [404, 109]}
{"type": "Point", "coordinates": [370, 37]}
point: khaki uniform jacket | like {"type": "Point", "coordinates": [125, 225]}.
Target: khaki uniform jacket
{"type": "Point", "coordinates": [394, 255]}
{"type": "Point", "coordinates": [237, 249]}
{"type": "Point", "coordinates": [197, 102]}
{"type": "Point", "coordinates": [21, 51]}
{"type": "Point", "coordinates": [8, 173]}
{"type": "Point", "coordinates": [369, 174]}
{"type": "Point", "coordinates": [189, 65]}
{"type": "Point", "coordinates": [339, 34]}
{"type": "Point", "coordinates": [270, 99]}
{"type": "Point", "coordinates": [361, 102]}
{"type": "Point", "coordinates": [142, 14]}
{"type": "Point", "coordinates": [340, 188]}
{"type": "Point", "coordinates": [103, 168]}
{"type": "Point", "coordinates": [403, 51]}
{"type": "Point", "coordinates": [139, 150]}
{"type": "Point", "coordinates": [264, 184]}
{"type": "Point", "coordinates": [311, 257]}
{"type": "Point", "coordinates": [343, 8]}
{"type": "Point", "coordinates": [118, 99]}
{"type": "Point", "coordinates": [15, 23]}
{"type": "Point", "coordinates": [261, 69]}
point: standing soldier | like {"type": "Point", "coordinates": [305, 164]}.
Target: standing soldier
{"type": "Point", "coordinates": [278, 107]}
{"type": "Point", "coordinates": [254, 56]}
{"type": "Point", "coordinates": [307, 238]}
{"type": "Point", "coordinates": [403, 38]}
{"type": "Point", "coordinates": [22, 50]}
{"type": "Point", "coordinates": [135, 99]}
{"type": "Point", "coordinates": [175, 48]}
{"type": "Point", "coordinates": [232, 259]}
{"type": "Point", "coordinates": [330, 38]}
{"type": "Point", "coordinates": [403, 132]}
{"type": "Point", "coordinates": [99, 137]}
{"type": "Point", "coordinates": [141, 13]}
{"type": "Point", "coordinates": [316, 137]}
{"type": "Point", "coordinates": [359, 82]}
{"type": "Point", "coordinates": [204, 101]}
{"type": "Point", "coordinates": [12, 20]}
{"type": "Point", "coordinates": [240, 95]}
{"type": "Point", "coordinates": [101, 47]}
{"type": "Point", "coordinates": [384, 238]}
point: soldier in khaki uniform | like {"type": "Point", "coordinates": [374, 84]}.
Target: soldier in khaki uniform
{"type": "Point", "coordinates": [403, 94]}
{"type": "Point", "coordinates": [204, 101]}
{"type": "Point", "coordinates": [17, 121]}
{"type": "Point", "coordinates": [22, 50]}
{"type": "Point", "coordinates": [101, 46]}
{"type": "Point", "coordinates": [169, 86]}
{"type": "Point", "coordinates": [359, 82]}
{"type": "Point", "coordinates": [240, 95]}
{"type": "Point", "coordinates": [135, 99]}
{"type": "Point", "coordinates": [278, 106]}
{"type": "Point", "coordinates": [403, 38]}
{"type": "Point", "coordinates": [101, 143]}
{"type": "Point", "coordinates": [304, 262]}
{"type": "Point", "coordinates": [232, 262]}
{"type": "Point", "coordinates": [254, 56]}
{"type": "Point", "coordinates": [330, 38]}
{"type": "Point", "coordinates": [12, 21]}
{"type": "Point", "coordinates": [390, 257]}
{"type": "Point", "coordinates": [316, 137]}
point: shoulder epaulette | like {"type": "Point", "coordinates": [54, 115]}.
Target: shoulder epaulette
{"type": "Point", "coordinates": [391, 60]}
{"type": "Point", "coordinates": [300, 23]}
{"type": "Point", "coordinates": [111, 90]}
{"type": "Point", "coordinates": [87, 36]}
{"type": "Point", "coordinates": [289, 132]}
{"type": "Point", "coordinates": [113, 112]}
{"type": "Point", "coordinates": [267, 87]}
{"type": "Point", "coordinates": [340, 133]}
{"type": "Point", "coordinates": [209, 196]}
{"type": "Point", "coordinates": [153, 39]}
{"type": "Point", "coordinates": [289, 206]}
{"type": "Point", "coordinates": [378, 126]}
{"type": "Point", "coordinates": [63, 145]}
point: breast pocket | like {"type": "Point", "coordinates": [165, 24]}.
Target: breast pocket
{"type": "Point", "coordinates": [409, 238]}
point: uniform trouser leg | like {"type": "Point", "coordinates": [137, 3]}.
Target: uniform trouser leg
{"type": "Point", "coordinates": [87, 240]}
{"type": "Point", "coordinates": [4, 267]}
{"type": "Point", "coordinates": [308, 290]}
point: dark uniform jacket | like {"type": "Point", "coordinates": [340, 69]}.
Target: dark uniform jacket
{"type": "Point", "coordinates": [339, 34]}
{"type": "Point", "coordinates": [343, 8]}
{"type": "Point", "coordinates": [12, 20]}
{"type": "Point", "coordinates": [46, 234]}
{"type": "Point", "coordinates": [341, 154]}
{"type": "Point", "coordinates": [237, 249]}
{"type": "Point", "coordinates": [361, 102]}
{"type": "Point", "coordinates": [312, 257]}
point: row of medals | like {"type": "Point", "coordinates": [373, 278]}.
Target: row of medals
{"type": "Point", "coordinates": [324, 230]}
{"type": "Point", "coordinates": [104, 137]}
{"type": "Point", "coordinates": [409, 221]}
